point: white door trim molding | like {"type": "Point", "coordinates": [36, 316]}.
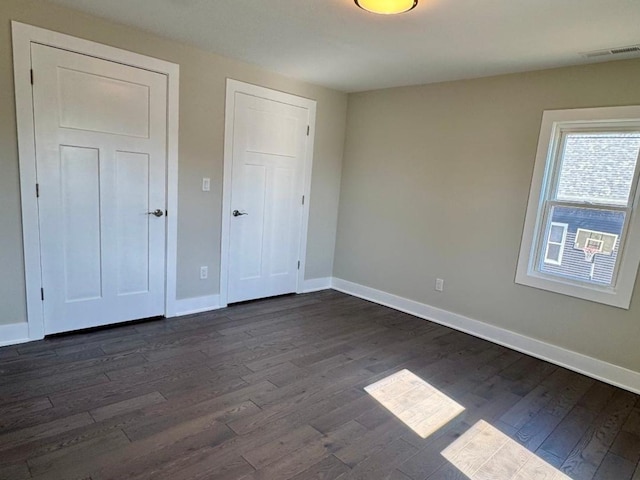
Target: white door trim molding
{"type": "Point", "coordinates": [233, 87]}
{"type": "Point", "coordinates": [578, 362]}
{"type": "Point", "coordinates": [23, 36]}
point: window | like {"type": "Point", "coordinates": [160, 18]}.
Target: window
{"type": "Point", "coordinates": [581, 236]}
{"type": "Point", "coordinates": [555, 243]}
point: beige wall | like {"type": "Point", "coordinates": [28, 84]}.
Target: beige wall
{"type": "Point", "coordinates": [435, 184]}
{"type": "Point", "coordinates": [202, 96]}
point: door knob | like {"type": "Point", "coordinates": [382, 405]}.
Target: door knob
{"type": "Point", "coordinates": [157, 213]}
{"type": "Point", "coordinates": [237, 213]}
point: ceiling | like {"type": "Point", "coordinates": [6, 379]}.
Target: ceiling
{"type": "Point", "coordinates": [335, 44]}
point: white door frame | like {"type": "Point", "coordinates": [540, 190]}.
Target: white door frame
{"type": "Point", "coordinates": [23, 36]}
{"type": "Point", "coordinates": [233, 87]}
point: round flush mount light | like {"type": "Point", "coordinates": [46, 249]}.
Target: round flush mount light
{"type": "Point", "coordinates": [387, 7]}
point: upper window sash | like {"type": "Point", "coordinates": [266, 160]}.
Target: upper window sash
{"type": "Point", "coordinates": [557, 148]}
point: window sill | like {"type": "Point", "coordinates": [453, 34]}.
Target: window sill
{"type": "Point", "coordinates": [605, 295]}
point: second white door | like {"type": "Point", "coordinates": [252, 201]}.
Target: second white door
{"type": "Point", "coordinates": [269, 148]}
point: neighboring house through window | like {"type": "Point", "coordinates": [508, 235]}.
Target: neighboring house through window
{"type": "Point", "coordinates": [582, 233]}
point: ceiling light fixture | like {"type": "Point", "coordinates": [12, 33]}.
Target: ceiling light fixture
{"type": "Point", "coordinates": [387, 7]}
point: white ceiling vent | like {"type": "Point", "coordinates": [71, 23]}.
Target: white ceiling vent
{"type": "Point", "coordinates": [629, 49]}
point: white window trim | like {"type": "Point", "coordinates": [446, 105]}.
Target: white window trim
{"type": "Point", "coordinates": [562, 243]}
{"type": "Point", "coordinates": [629, 249]}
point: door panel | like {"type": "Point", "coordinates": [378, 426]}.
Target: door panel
{"type": "Point", "coordinates": [101, 166]}
{"type": "Point", "coordinates": [250, 232]}
{"type": "Point", "coordinates": [269, 145]}
{"type": "Point", "coordinates": [80, 187]}
{"type": "Point", "coordinates": [271, 133]}
{"type": "Point", "coordinates": [132, 201]}
{"type": "Point", "coordinates": [284, 188]}
{"type": "Point", "coordinates": [102, 104]}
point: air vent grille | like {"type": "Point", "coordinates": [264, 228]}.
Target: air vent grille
{"type": "Point", "coordinates": [616, 51]}
{"type": "Point", "coordinates": [630, 49]}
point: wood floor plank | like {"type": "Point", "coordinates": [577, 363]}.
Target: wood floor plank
{"type": "Point", "coordinates": [145, 456]}
{"type": "Point", "coordinates": [384, 462]}
{"type": "Point", "coordinates": [125, 406]}
{"type": "Point", "coordinates": [308, 453]}
{"type": "Point", "coordinates": [273, 451]}
{"type": "Point", "coordinates": [171, 414]}
{"type": "Point", "coordinates": [614, 467]}
{"type": "Point", "coordinates": [12, 411]}
{"type": "Point", "coordinates": [587, 456]}
{"type": "Point", "coordinates": [43, 430]}
{"type": "Point", "coordinates": [534, 401]}
{"type": "Point", "coordinates": [307, 407]}
{"type": "Point", "coordinates": [209, 468]}
{"type": "Point", "coordinates": [67, 438]}
{"type": "Point", "coordinates": [25, 367]}
{"type": "Point", "coordinates": [627, 446]}
{"type": "Point", "coordinates": [329, 468]}
{"type": "Point", "coordinates": [63, 459]}
{"type": "Point", "coordinates": [371, 442]}
{"type": "Point", "coordinates": [16, 471]}
{"type": "Point", "coordinates": [568, 433]}
{"type": "Point", "coordinates": [21, 391]}
{"type": "Point", "coordinates": [536, 430]}
{"type": "Point", "coordinates": [429, 458]}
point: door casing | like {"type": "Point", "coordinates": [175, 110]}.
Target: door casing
{"type": "Point", "coordinates": [233, 87]}
{"type": "Point", "coordinates": [23, 36]}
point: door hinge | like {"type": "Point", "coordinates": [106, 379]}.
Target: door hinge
{"type": "Point", "coordinates": [166, 213]}
{"type": "Point", "coordinates": [303, 199]}
{"type": "Point", "coordinates": [37, 190]}
{"type": "Point", "coordinates": [31, 74]}
{"type": "Point", "coordinates": [42, 294]}
{"type": "Point", "coordinates": [308, 126]}
{"type": "Point", "coordinates": [298, 264]}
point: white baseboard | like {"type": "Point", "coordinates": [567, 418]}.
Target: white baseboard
{"type": "Point", "coordinates": [316, 284]}
{"type": "Point", "coordinates": [14, 333]}
{"type": "Point", "coordinates": [592, 367]}
{"type": "Point", "coordinates": [188, 306]}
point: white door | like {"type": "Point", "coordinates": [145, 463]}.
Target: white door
{"type": "Point", "coordinates": [101, 168]}
{"type": "Point", "coordinates": [269, 145]}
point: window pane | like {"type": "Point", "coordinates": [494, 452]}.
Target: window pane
{"type": "Point", "coordinates": [598, 167]}
{"type": "Point", "coordinates": [587, 227]}
{"type": "Point", "coordinates": [553, 252]}
{"type": "Point", "coordinates": [556, 234]}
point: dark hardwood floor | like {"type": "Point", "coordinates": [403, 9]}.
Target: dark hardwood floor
{"type": "Point", "coordinates": [274, 389]}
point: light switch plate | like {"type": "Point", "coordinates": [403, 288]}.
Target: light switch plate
{"type": "Point", "coordinates": [206, 184]}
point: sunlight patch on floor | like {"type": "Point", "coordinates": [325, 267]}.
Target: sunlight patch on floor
{"type": "Point", "coordinates": [423, 408]}
{"type": "Point", "coordinates": [485, 453]}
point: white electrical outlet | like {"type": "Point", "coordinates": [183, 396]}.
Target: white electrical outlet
{"type": "Point", "coordinates": [206, 184]}
{"type": "Point", "coordinates": [204, 273]}
{"type": "Point", "coordinates": [439, 285]}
